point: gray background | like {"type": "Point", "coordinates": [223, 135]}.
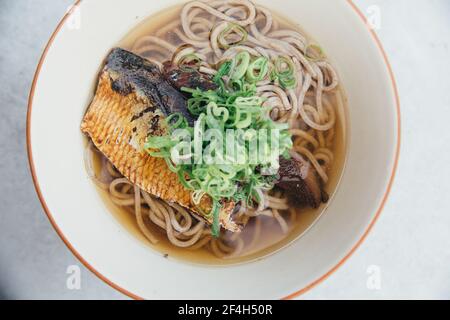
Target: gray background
{"type": "Point", "coordinates": [409, 246]}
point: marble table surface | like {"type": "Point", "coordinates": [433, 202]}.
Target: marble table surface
{"type": "Point", "coordinates": [407, 255]}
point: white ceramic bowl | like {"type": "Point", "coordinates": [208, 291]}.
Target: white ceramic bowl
{"type": "Point", "coordinates": [64, 85]}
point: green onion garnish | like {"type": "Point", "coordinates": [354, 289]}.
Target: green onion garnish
{"type": "Point", "coordinates": [284, 72]}
{"type": "Point", "coordinates": [240, 65]}
{"type": "Point", "coordinates": [190, 61]}
{"type": "Point", "coordinates": [232, 29]}
{"type": "Point", "coordinates": [224, 70]}
{"type": "Point", "coordinates": [258, 70]}
{"type": "Point", "coordinates": [314, 53]}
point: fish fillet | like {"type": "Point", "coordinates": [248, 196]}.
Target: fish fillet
{"type": "Point", "coordinates": [131, 101]}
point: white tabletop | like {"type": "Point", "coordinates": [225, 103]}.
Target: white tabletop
{"type": "Point", "coordinates": [407, 255]}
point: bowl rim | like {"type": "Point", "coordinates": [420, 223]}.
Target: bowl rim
{"type": "Point", "coordinates": [294, 294]}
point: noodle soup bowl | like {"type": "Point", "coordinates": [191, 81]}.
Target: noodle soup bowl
{"type": "Point", "coordinates": [63, 88]}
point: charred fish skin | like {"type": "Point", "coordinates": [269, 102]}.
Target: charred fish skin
{"type": "Point", "coordinates": [301, 183]}
{"type": "Point", "coordinates": [130, 72]}
{"type": "Point", "coordinates": [187, 78]}
{"type": "Point", "coordinates": [118, 121]}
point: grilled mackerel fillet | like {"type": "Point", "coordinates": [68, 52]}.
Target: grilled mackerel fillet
{"type": "Point", "coordinates": [131, 102]}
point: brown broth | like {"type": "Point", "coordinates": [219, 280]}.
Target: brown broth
{"type": "Point", "coordinates": [272, 238]}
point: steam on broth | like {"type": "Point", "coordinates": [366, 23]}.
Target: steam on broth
{"type": "Point", "coordinates": [297, 85]}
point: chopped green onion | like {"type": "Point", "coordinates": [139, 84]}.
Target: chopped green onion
{"type": "Point", "coordinates": [314, 53]}
{"type": "Point", "coordinates": [215, 230]}
{"type": "Point", "coordinates": [240, 64]}
{"type": "Point", "coordinates": [258, 70]}
{"type": "Point", "coordinates": [189, 62]}
{"type": "Point", "coordinates": [232, 29]}
{"type": "Point", "coordinates": [197, 196]}
{"type": "Point", "coordinates": [284, 72]}
{"type": "Point", "coordinates": [284, 67]}
{"type": "Point", "coordinates": [179, 123]}
{"type": "Point", "coordinates": [224, 70]}
{"type": "Point", "coordinates": [288, 82]}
